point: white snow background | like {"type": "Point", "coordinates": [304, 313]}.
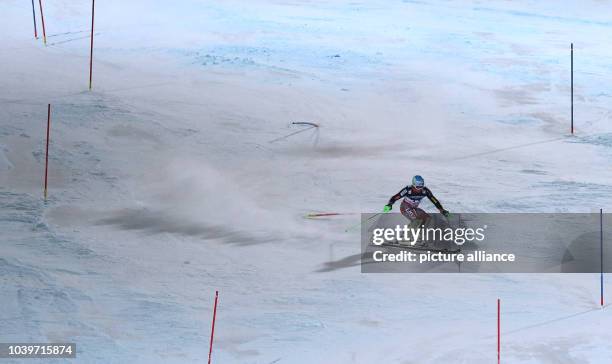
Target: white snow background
{"type": "Point", "coordinates": [164, 185]}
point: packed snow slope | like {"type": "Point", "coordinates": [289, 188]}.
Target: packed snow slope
{"type": "Point", "coordinates": [166, 183]}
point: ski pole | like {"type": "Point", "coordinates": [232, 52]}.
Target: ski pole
{"type": "Point", "coordinates": [288, 135]}
{"type": "Point", "coordinates": [448, 218]}
{"type": "Point", "coordinates": [327, 214]}
{"type": "Point", "coordinates": [359, 223]}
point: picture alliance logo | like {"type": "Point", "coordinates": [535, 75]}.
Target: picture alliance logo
{"type": "Point", "coordinates": [422, 234]}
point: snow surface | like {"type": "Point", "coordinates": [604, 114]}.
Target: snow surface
{"type": "Point", "coordinates": [164, 186]}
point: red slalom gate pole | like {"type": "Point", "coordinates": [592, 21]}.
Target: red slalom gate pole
{"type": "Point", "coordinates": [498, 330]}
{"type": "Point", "coordinates": [47, 149]}
{"type": "Point", "coordinates": [42, 19]}
{"type": "Point", "coordinates": [212, 331]}
{"type": "Point", "coordinates": [34, 17]}
{"type": "Point", "coordinates": [93, 7]}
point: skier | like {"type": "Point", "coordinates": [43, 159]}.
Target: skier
{"type": "Point", "coordinates": [412, 197]}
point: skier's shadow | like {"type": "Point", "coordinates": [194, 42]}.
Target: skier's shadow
{"type": "Point", "coordinates": [365, 257]}
{"type": "Point", "coordinates": [346, 262]}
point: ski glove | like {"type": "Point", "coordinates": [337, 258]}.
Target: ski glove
{"type": "Point", "coordinates": [387, 208]}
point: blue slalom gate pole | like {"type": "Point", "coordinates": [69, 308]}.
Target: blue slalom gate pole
{"type": "Point", "coordinates": [34, 17]}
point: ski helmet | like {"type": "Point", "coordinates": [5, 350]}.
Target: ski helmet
{"type": "Point", "coordinates": [418, 181]}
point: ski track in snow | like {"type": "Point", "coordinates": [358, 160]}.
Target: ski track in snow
{"type": "Point", "coordinates": [164, 186]}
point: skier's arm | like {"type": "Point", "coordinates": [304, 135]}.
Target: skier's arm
{"type": "Point", "coordinates": [434, 200]}
{"type": "Point", "coordinates": [397, 196]}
